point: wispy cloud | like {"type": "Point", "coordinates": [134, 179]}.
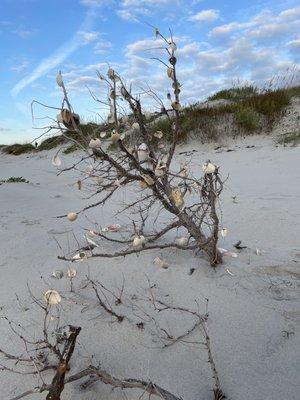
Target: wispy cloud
{"type": "Point", "coordinates": [205, 16]}
{"type": "Point", "coordinates": [61, 54]}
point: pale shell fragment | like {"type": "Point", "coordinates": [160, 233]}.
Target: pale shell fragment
{"type": "Point", "coordinates": [135, 126]}
{"type": "Point", "coordinates": [102, 134]}
{"type": "Point", "coordinates": [112, 228]}
{"type": "Point", "coordinates": [59, 79]}
{"type": "Point", "coordinates": [161, 263]}
{"type": "Point", "coordinates": [177, 197]}
{"type": "Point", "coordinates": [72, 216]}
{"type": "Point", "coordinates": [56, 161]}
{"type": "Point", "coordinates": [183, 241]}
{"type": "Point", "coordinates": [52, 297]}
{"type": "Point", "coordinates": [138, 241]}
{"type": "Point", "coordinates": [72, 273]}
{"type": "Point", "coordinates": [115, 137]}
{"type": "Point", "coordinates": [80, 256]}
{"type": "Point", "coordinates": [224, 232]}
{"type": "Point", "coordinates": [57, 274]}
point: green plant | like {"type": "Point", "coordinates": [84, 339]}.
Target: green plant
{"type": "Point", "coordinates": [17, 149]}
{"type": "Point", "coordinates": [51, 143]}
{"type": "Point", "coordinates": [248, 118]}
{"type": "Point", "coordinates": [290, 138]}
{"type": "Point", "coordinates": [15, 179]}
{"type": "Point", "coordinates": [235, 93]}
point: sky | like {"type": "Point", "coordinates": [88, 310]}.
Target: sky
{"type": "Point", "coordinates": [220, 43]}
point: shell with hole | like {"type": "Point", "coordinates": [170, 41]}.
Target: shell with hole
{"type": "Point", "coordinates": [138, 241]}
{"type": "Point", "coordinates": [69, 119]}
{"type": "Point", "coordinates": [224, 232]}
{"type": "Point", "coordinates": [176, 105]}
{"type": "Point", "coordinates": [177, 197]}
{"type": "Point", "coordinates": [72, 216]}
{"type": "Point", "coordinates": [115, 137]}
{"type": "Point", "coordinates": [52, 297]}
{"type": "Point", "coordinates": [80, 256]}
{"type": "Point", "coordinates": [208, 168]}
{"type": "Point", "coordinates": [184, 171]}
{"type": "Point", "coordinates": [95, 143]}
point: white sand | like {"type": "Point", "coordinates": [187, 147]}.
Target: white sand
{"type": "Point", "coordinates": [248, 312]}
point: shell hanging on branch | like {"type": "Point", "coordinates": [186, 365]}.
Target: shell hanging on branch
{"type": "Point", "coordinates": [112, 228]}
{"type": "Point", "coordinates": [160, 169]}
{"type": "Point", "coordinates": [143, 152]}
{"type": "Point", "coordinates": [184, 171]}
{"type": "Point", "coordinates": [138, 241]}
{"type": "Point", "coordinates": [102, 134]}
{"type": "Point", "coordinates": [183, 241]}
{"type": "Point", "coordinates": [95, 143]}
{"type": "Point", "coordinates": [56, 161]}
{"type": "Point", "coordinates": [111, 73]}
{"type": "Point", "coordinates": [209, 168]}
{"type": "Point", "coordinates": [67, 118]}
{"type": "Point", "coordinates": [135, 126]}
{"type": "Point", "coordinates": [72, 273]}
{"type": "Point", "coordinates": [176, 105]}
{"type": "Point", "coordinates": [150, 181]}
{"type": "Point", "coordinates": [59, 79]}
{"type": "Point", "coordinates": [115, 137]}
{"type": "Point", "coordinates": [172, 48]}
{"type": "Point", "coordinates": [72, 216]}
{"type": "Point", "coordinates": [177, 197]}
{"type": "Point", "coordinates": [80, 256]}
{"type": "Point", "coordinates": [170, 73]}
{"type": "Point", "coordinates": [224, 232]}
{"type": "Point", "coordinates": [52, 297]}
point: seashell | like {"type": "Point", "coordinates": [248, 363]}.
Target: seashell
{"type": "Point", "coordinates": [138, 241]}
{"type": "Point", "coordinates": [170, 72]}
{"type": "Point", "coordinates": [159, 170]}
{"type": "Point", "coordinates": [112, 228]}
{"type": "Point", "coordinates": [148, 115]}
{"type": "Point", "coordinates": [80, 256]}
{"type": "Point", "coordinates": [95, 143]}
{"type": "Point", "coordinates": [90, 241]}
{"type": "Point", "coordinates": [103, 134]}
{"type": "Point", "coordinates": [258, 252]}
{"type": "Point", "coordinates": [172, 47]}
{"type": "Point", "coordinates": [59, 79]}
{"type": "Point", "coordinates": [115, 137]}
{"type": "Point", "coordinates": [89, 170]}
{"type": "Point", "coordinates": [177, 197]}
{"type": "Point", "coordinates": [67, 118]}
{"type": "Point", "coordinates": [59, 118]}
{"type": "Point", "coordinates": [150, 181]}
{"type": "Point", "coordinates": [57, 274]}
{"type": "Point", "coordinates": [110, 119]}
{"type": "Point", "coordinates": [158, 134]}
{"type": "Point", "coordinates": [72, 273]}
{"type": "Point", "coordinates": [143, 152]}
{"type": "Point", "coordinates": [56, 161]}
{"type": "Point", "coordinates": [52, 297]}
{"type": "Point", "coordinates": [111, 73]}
{"type": "Point", "coordinates": [184, 171]}
{"type": "Point", "coordinates": [161, 263]}
{"type": "Point", "coordinates": [112, 94]}
{"type": "Point", "coordinates": [176, 105]}
{"type": "Point", "coordinates": [135, 126]}
{"type": "Point", "coordinates": [225, 252]}
{"type": "Point", "coordinates": [208, 168]}
{"type": "Point", "coordinates": [224, 232]}
{"type": "Point", "coordinates": [72, 216]}
{"type": "Point", "coordinates": [143, 184]}
{"type": "Point", "coordinates": [99, 179]}
{"type": "Point", "coordinates": [183, 241]}
{"type": "Point", "coordinates": [91, 233]}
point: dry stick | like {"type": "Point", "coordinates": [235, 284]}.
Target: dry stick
{"type": "Point", "coordinates": [57, 385]}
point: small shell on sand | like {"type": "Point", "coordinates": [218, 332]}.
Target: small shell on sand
{"type": "Point", "coordinates": [72, 216]}
{"type": "Point", "coordinates": [52, 297]}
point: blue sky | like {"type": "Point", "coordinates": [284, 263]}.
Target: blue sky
{"type": "Point", "coordinates": [219, 42]}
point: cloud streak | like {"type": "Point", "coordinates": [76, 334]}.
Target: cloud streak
{"type": "Point", "coordinates": [61, 54]}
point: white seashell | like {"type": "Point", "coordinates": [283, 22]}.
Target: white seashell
{"type": "Point", "coordinates": [59, 79]}
{"type": "Point", "coordinates": [52, 297]}
{"type": "Point", "coordinates": [225, 252]}
{"type": "Point", "coordinates": [56, 161]}
{"type": "Point", "coordinates": [172, 47]}
{"type": "Point", "coordinates": [59, 118]}
{"type": "Point", "coordinates": [89, 169]}
{"type": "Point", "coordinates": [95, 143]}
{"type": "Point", "coordinates": [80, 256]}
{"type": "Point", "coordinates": [143, 152]}
{"type": "Point", "coordinates": [57, 274]}
{"type": "Point", "coordinates": [208, 168]}
{"type": "Point", "coordinates": [183, 241]}
{"type": "Point", "coordinates": [258, 252]}
{"type": "Point", "coordinates": [161, 263]}
{"type": "Point", "coordinates": [158, 134]}
{"type": "Point", "coordinates": [111, 73]}
{"type": "Point", "coordinates": [102, 134]}
{"type": "Point", "coordinates": [72, 216]}
{"type": "Point", "coordinates": [115, 137]}
{"type": "Point", "coordinates": [72, 273]}
{"type": "Point", "coordinates": [90, 241]}
{"type": "Point", "coordinates": [135, 126]}
{"type": "Point", "coordinates": [176, 105]}
{"type": "Point", "coordinates": [138, 241]}
{"type": "Point", "coordinates": [91, 233]}
{"type": "Point", "coordinates": [222, 251]}
{"type": "Point", "coordinates": [184, 171]}
{"type": "Point", "coordinates": [224, 232]}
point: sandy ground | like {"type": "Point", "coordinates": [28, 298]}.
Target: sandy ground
{"type": "Point", "coordinates": [250, 310]}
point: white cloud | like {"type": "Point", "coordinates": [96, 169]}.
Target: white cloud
{"type": "Point", "coordinates": [102, 46]}
{"type": "Point", "coordinates": [89, 37]}
{"type": "Point", "coordinates": [205, 16]}
{"type": "Point", "coordinates": [95, 3]}
{"type": "Point", "coordinates": [20, 67]}
{"type": "Point", "coordinates": [24, 33]}
{"type": "Point", "coordinates": [57, 57]}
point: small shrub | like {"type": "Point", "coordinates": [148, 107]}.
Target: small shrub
{"type": "Point", "coordinates": [70, 149]}
{"type": "Point", "coordinates": [235, 93]}
{"type": "Point", "coordinates": [248, 118]}
{"type": "Point", "coordinates": [51, 143]}
{"type": "Point", "coordinates": [290, 138]}
{"type": "Point", "coordinates": [17, 149]}
{"type": "Point", "coordinates": [15, 179]}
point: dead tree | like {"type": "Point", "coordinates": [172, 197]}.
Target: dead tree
{"type": "Point", "coordinates": [161, 188]}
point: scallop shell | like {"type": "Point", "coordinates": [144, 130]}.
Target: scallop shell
{"type": "Point", "coordinates": [161, 263]}
{"type": "Point", "coordinates": [138, 241]}
{"type": "Point", "coordinates": [72, 273]}
{"type": "Point", "coordinates": [208, 168]}
{"type": "Point", "coordinates": [52, 297]}
{"type": "Point", "coordinates": [135, 126]}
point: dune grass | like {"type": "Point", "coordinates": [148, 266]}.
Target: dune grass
{"type": "Point", "coordinates": [290, 138]}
